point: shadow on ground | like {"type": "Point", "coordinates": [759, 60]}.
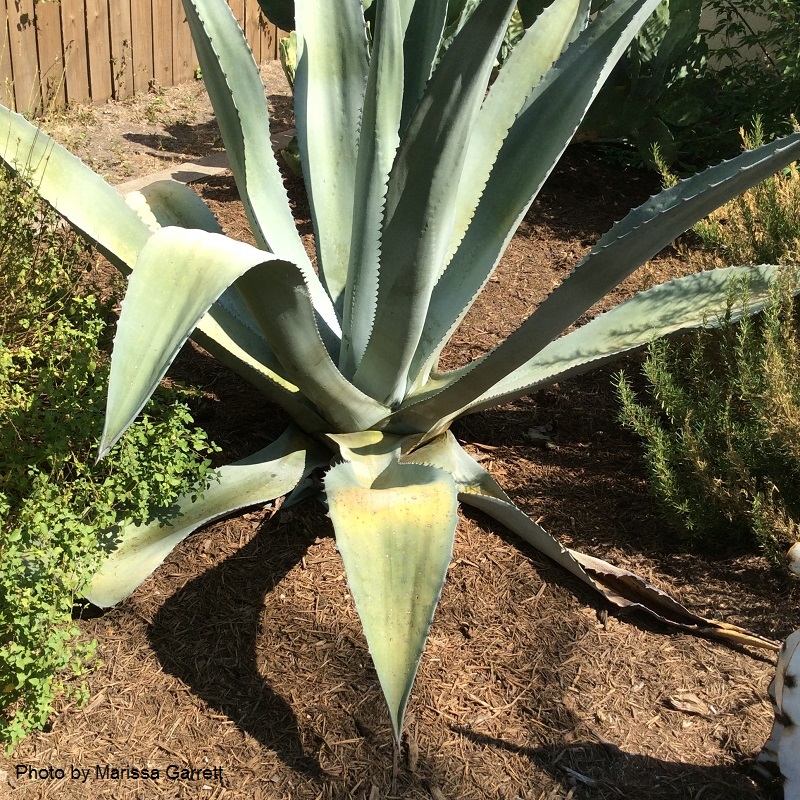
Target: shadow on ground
{"type": "Point", "coordinates": [595, 771]}
{"type": "Point", "coordinates": [205, 635]}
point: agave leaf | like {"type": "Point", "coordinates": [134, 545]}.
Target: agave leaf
{"type": "Point", "coordinates": [228, 331]}
{"type": "Point", "coordinates": [91, 205]}
{"type": "Point", "coordinates": [329, 90]}
{"type": "Point", "coordinates": [530, 59]}
{"type": "Point", "coordinates": [543, 129]}
{"type": "Point", "coordinates": [638, 237]}
{"type": "Point", "coordinates": [672, 307]}
{"type": "Point", "coordinates": [170, 203]}
{"type": "Point", "coordinates": [234, 85]}
{"type": "Point", "coordinates": [282, 306]}
{"type": "Point", "coordinates": [394, 529]}
{"type": "Point", "coordinates": [265, 475]}
{"type": "Point", "coordinates": [178, 275]}
{"type": "Point", "coordinates": [622, 588]}
{"type": "Point", "coordinates": [421, 197]}
{"type": "Point", "coordinates": [227, 341]}
{"type": "Point", "coordinates": [423, 37]}
{"type": "Point", "coordinates": [164, 203]}
{"type": "Point", "coordinates": [248, 355]}
{"type": "Point", "coordinates": [377, 145]}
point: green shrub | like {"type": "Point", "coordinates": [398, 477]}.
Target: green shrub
{"type": "Point", "coordinates": [58, 509]}
{"type": "Point", "coordinates": [757, 63]}
{"type": "Point", "coordinates": [721, 426]}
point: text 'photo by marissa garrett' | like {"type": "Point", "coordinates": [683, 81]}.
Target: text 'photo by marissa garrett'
{"type": "Point", "coordinates": [116, 772]}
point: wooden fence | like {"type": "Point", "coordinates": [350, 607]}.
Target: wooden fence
{"type": "Point", "coordinates": [58, 51]}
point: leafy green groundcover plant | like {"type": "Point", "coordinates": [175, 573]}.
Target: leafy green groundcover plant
{"type": "Point", "coordinates": [59, 510]}
{"type": "Point", "coordinates": [721, 427]}
{"type": "Point", "coordinates": [417, 179]}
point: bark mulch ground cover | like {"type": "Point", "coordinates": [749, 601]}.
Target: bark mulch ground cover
{"type": "Point", "coordinates": [242, 656]}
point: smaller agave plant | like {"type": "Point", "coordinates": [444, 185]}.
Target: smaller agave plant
{"type": "Point", "coordinates": [418, 173]}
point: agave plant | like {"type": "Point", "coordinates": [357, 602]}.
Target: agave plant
{"type": "Point", "coordinates": [417, 178]}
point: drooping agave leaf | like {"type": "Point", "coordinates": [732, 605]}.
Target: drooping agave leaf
{"type": "Point", "coordinates": [267, 474]}
{"type": "Point", "coordinates": [164, 203]}
{"type": "Point", "coordinates": [329, 88]}
{"type": "Point", "coordinates": [629, 243]}
{"type": "Point", "coordinates": [283, 308]}
{"type": "Point", "coordinates": [377, 144]}
{"type": "Point", "coordinates": [170, 203]}
{"type": "Point", "coordinates": [421, 197]}
{"type": "Point", "coordinates": [246, 352]}
{"type": "Point", "coordinates": [537, 139]}
{"type": "Point", "coordinates": [177, 277]}
{"type": "Point", "coordinates": [394, 529]}
{"type": "Point", "coordinates": [228, 331]}
{"type": "Point", "coordinates": [93, 207]}
{"type": "Point", "coordinates": [622, 588]}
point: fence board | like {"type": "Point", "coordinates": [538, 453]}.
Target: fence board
{"type": "Point", "coordinates": [51, 54]}
{"type": "Point", "coordinates": [22, 32]}
{"type": "Point", "coordinates": [269, 39]}
{"type": "Point", "coordinates": [97, 33]}
{"type": "Point", "coordinates": [142, 40]}
{"type": "Point", "coordinates": [6, 80]}
{"type": "Point", "coordinates": [251, 12]}
{"type": "Point", "coordinates": [183, 57]}
{"type": "Point", "coordinates": [77, 50]}
{"type": "Point", "coordinates": [162, 42]}
{"type": "Point", "coordinates": [121, 48]}
{"type": "Point", "coordinates": [73, 34]}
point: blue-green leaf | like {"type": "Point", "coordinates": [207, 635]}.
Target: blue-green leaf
{"type": "Point", "coordinates": [164, 203]}
{"type": "Point", "coordinates": [234, 85]}
{"type": "Point", "coordinates": [423, 35]}
{"type": "Point", "coordinates": [421, 199]}
{"type": "Point", "coordinates": [378, 141]}
{"type": "Point", "coordinates": [638, 237]}
{"type": "Point", "coordinates": [265, 475]}
{"type": "Point", "coordinates": [394, 529]}
{"type": "Point", "coordinates": [91, 205]}
{"type": "Point", "coordinates": [329, 90]}
{"type": "Point", "coordinates": [535, 142]}
{"type": "Point", "coordinates": [178, 275]}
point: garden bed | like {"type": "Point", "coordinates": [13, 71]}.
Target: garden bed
{"type": "Point", "coordinates": [244, 651]}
